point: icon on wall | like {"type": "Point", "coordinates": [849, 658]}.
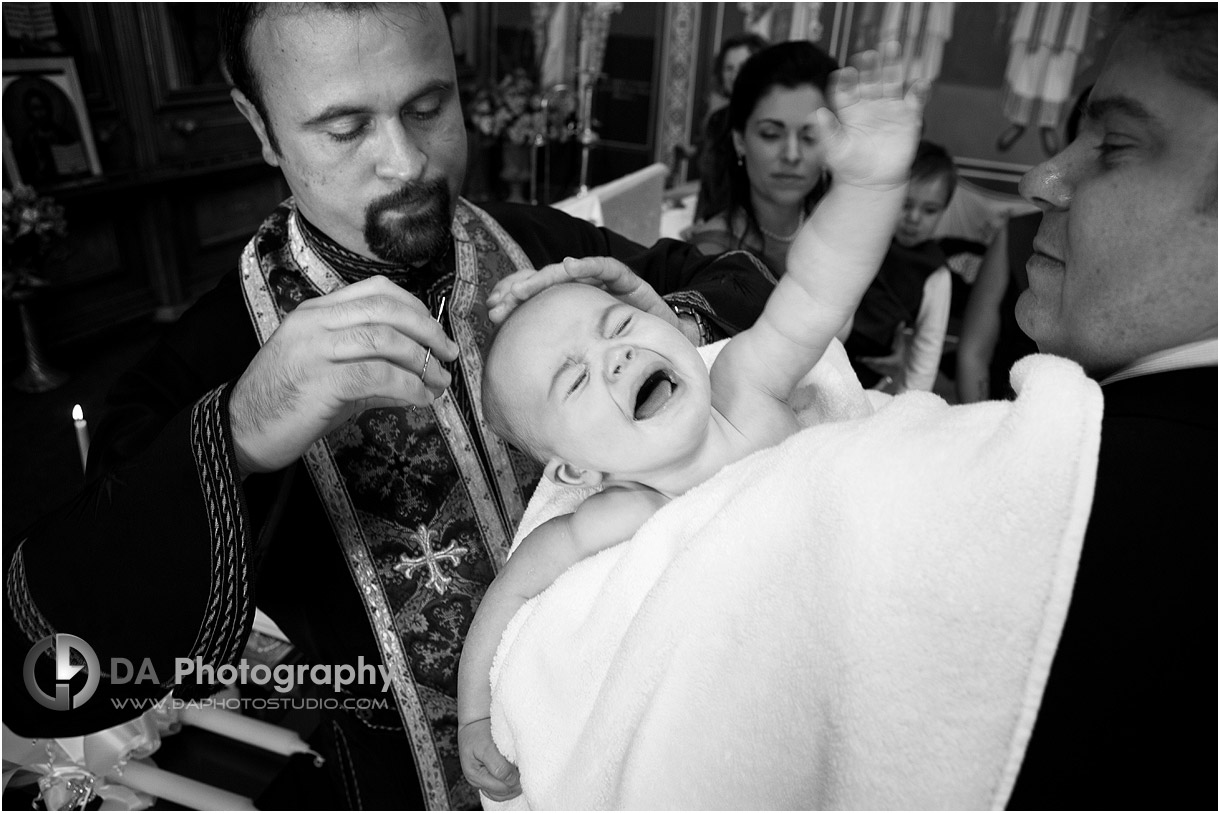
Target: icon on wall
{"type": "Point", "coordinates": [47, 137]}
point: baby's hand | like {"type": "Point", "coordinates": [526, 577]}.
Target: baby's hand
{"type": "Point", "coordinates": [485, 767]}
{"type": "Point", "coordinates": [872, 140]}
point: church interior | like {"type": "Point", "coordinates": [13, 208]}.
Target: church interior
{"type": "Point", "coordinates": [155, 182]}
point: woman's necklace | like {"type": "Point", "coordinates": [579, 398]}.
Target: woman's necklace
{"type": "Point", "coordinates": [779, 238]}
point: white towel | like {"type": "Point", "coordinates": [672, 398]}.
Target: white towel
{"type": "Point", "coordinates": [863, 616]}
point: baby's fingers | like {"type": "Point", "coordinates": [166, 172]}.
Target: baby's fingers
{"type": "Point", "coordinates": [891, 74]}
{"type": "Point", "coordinates": [917, 95]}
{"type": "Point", "coordinates": [844, 87]}
{"type": "Point", "coordinates": [499, 778]}
{"type": "Point", "coordinates": [867, 65]}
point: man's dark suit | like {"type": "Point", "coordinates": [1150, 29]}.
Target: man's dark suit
{"type": "Point", "coordinates": [1129, 715]}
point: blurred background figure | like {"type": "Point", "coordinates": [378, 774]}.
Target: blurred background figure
{"type": "Point", "coordinates": [898, 333]}
{"type": "Point", "coordinates": [713, 186]}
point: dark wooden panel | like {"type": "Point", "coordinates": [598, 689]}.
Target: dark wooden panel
{"type": "Point", "coordinates": [190, 136]}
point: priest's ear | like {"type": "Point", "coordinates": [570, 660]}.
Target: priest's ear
{"type": "Point", "coordinates": [262, 128]}
{"type": "Point", "coordinates": [566, 474]}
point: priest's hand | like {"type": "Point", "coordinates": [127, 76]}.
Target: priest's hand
{"type": "Point", "coordinates": [365, 345]}
{"type": "Point", "coordinates": [603, 272]}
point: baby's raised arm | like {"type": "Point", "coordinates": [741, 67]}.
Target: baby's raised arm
{"type": "Point", "coordinates": [868, 147]}
{"type": "Point", "coordinates": [603, 520]}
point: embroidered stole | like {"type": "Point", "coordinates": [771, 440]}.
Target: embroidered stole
{"type": "Point", "coordinates": [423, 505]}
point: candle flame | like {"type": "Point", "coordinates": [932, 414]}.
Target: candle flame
{"type": "Point", "coordinates": [77, 413]}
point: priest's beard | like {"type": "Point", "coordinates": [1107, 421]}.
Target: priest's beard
{"type": "Point", "coordinates": [417, 229]}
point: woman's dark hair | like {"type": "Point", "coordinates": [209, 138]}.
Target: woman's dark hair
{"type": "Point", "coordinates": [748, 40]}
{"type": "Point", "coordinates": [788, 65]}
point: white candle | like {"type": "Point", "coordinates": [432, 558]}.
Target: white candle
{"type": "Point", "coordinates": [82, 433]}
{"type": "Point", "coordinates": [239, 727]}
{"type": "Point", "coordinates": [178, 789]}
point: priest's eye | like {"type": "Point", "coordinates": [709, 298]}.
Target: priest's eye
{"type": "Point", "coordinates": [348, 135]}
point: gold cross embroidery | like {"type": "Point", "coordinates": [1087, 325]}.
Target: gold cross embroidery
{"type": "Point", "coordinates": [431, 559]}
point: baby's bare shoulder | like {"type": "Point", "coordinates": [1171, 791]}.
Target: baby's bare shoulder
{"type": "Point", "coordinates": [614, 515]}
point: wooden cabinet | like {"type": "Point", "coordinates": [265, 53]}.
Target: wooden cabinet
{"type": "Point", "coordinates": [182, 184]}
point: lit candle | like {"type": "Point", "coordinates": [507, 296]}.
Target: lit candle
{"type": "Point", "coordinates": [178, 789]}
{"type": "Point", "coordinates": [82, 433]}
{"type": "Point", "coordinates": [248, 730]}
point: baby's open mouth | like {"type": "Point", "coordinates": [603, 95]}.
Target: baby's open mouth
{"type": "Point", "coordinates": [654, 394]}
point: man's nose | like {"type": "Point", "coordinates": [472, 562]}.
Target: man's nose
{"type": "Point", "coordinates": [620, 359]}
{"type": "Point", "coordinates": [1049, 185]}
{"type": "Point", "coordinates": [399, 159]}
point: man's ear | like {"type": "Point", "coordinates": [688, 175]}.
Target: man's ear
{"type": "Point", "coordinates": [559, 471]}
{"type": "Point", "coordinates": [256, 121]}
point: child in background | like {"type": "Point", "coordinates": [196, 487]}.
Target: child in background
{"type": "Point", "coordinates": [913, 288]}
{"type": "Point", "coordinates": [609, 395]}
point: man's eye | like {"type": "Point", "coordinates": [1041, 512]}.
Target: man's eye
{"type": "Point", "coordinates": [1109, 152]}
{"type": "Point", "coordinates": [348, 135]}
{"type": "Point", "coordinates": [425, 113]}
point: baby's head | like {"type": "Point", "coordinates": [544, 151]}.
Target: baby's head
{"type": "Point", "coordinates": [595, 388]}
{"type": "Point", "coordinates": [933, 179]}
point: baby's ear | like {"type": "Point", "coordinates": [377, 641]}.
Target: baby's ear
{"type": "Point", "coordinates": [558, 471]}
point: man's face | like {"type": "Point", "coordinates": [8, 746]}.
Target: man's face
{"type": "Point", "coordinates": [601, 385]}
{"type": "Point", "coordinates": [365, 109]}
{"type": "Point", "coordinates": [1125, 258]}
{"type": "Point", "coordinates": [922, 209]}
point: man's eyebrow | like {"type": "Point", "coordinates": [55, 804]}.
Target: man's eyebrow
{"type": "Point", "coordinates": [338, 111]}
{"type": "Point", "coordinates": [1122, 105]}
{"type": "Point", "coordinates": [335, 111]}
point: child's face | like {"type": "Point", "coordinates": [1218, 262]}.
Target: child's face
{"type": "Point", "coordinates": [600, 384]}
{"type": "Point", "coordinates": [924, 206]}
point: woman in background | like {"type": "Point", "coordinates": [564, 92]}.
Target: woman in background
{"type": "Point", "coordinates": [775, 173]}
{"type": "Point", "coordinates": [713, 183]}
